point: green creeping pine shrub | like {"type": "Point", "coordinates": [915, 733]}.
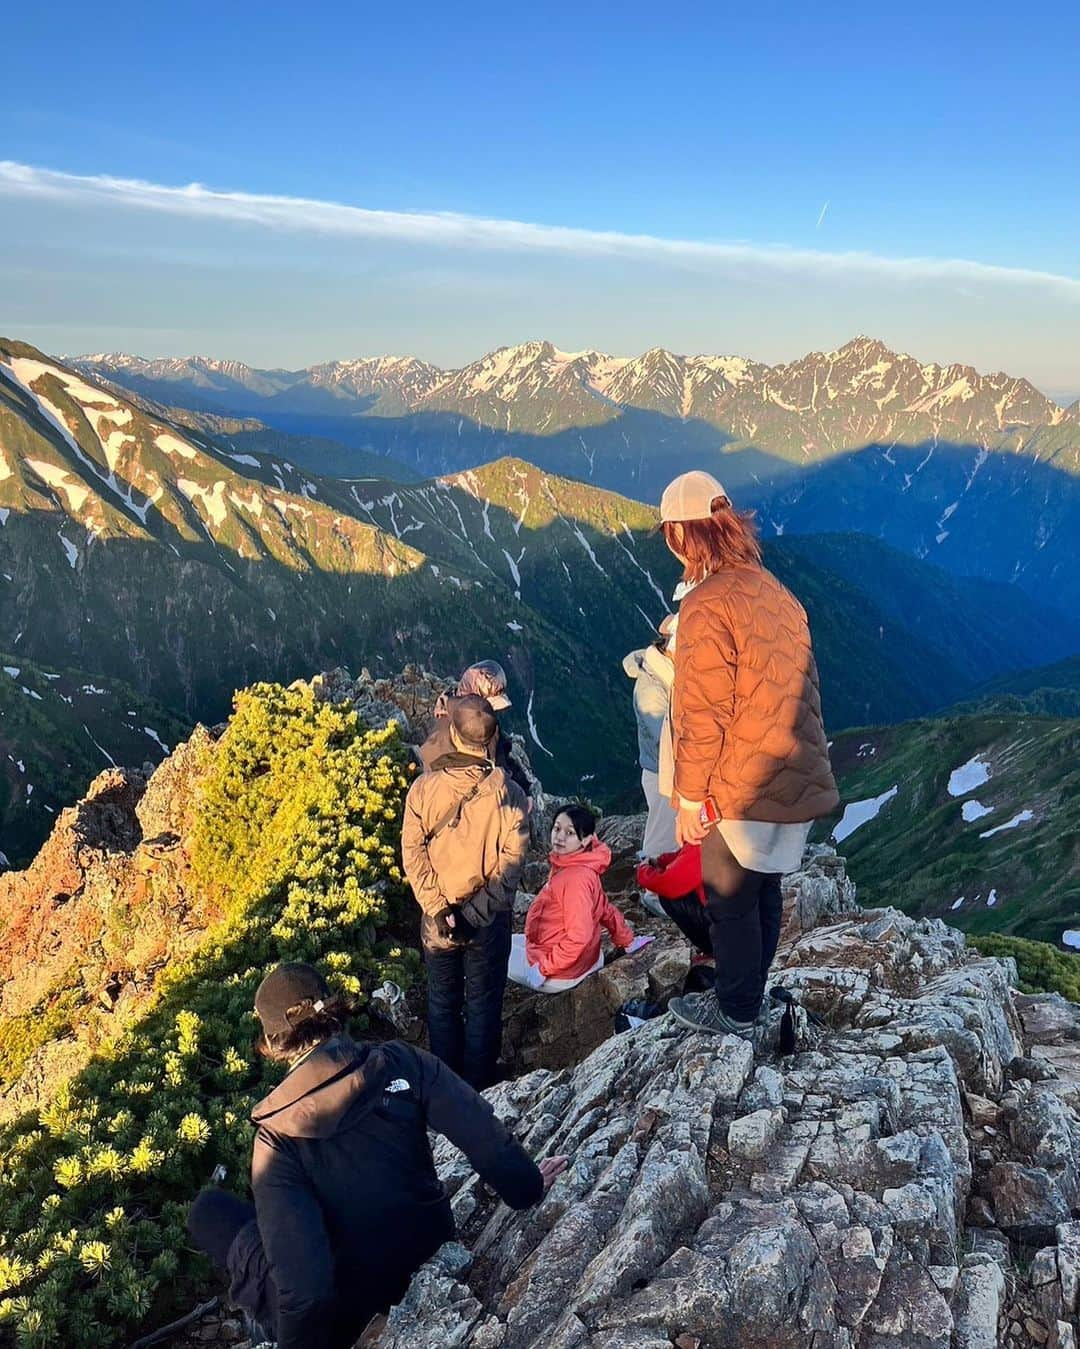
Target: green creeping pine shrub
{"type": "Point", "coordinates": [1042, 967]}
{"type": "Point", "coordinates": [296, 838]}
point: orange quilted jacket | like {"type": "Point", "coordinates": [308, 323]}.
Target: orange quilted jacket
{"type": "Point", "coordinates": [746, 710]}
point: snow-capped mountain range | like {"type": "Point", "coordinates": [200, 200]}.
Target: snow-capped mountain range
{"type": "Point", "coordinates": [979, 473]}
{"type": "Point", "coordinates": [877, 394]}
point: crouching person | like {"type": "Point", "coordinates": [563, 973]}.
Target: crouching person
{"type": "Point", "coordinates": [347, 1202]}
{"type": "Point", "coordinates": [463, 842]}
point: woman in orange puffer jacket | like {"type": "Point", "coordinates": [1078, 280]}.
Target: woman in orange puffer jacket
{"type": "Point", "coordinates": [561, 944]}
{"type": "Point", "coordinates": [751, 762]}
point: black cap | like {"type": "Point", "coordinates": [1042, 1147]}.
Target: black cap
{"type": "Point", "coordinates": [288, 987]}
{"type": "Point", "coordinates": [474, 721]}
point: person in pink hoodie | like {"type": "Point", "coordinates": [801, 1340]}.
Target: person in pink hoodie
{"type": "Point", "coordinates": [561, 944]}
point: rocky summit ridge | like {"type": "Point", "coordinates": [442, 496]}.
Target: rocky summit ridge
{"type": "Point", "coordinates": [908, 1178]}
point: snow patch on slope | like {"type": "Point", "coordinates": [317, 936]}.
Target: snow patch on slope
{"type": "Point", "coordinates": [968, 776]}
{"type": "Point", "coordinates": [858, 813]}
{"type": "Point", "coordinates": [1021, 817]}
{"type": "Point", "coordinates": [213, 498]}
{"type": "Point", "coordinates": [57, 477]}
{"type": "Point", "coordinates": [173, 446]}
{"type": "Point", "coordinates": [532, 728]}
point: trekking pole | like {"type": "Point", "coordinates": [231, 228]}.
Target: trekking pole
{"type": "Point", "coordinates": [175, 1327]}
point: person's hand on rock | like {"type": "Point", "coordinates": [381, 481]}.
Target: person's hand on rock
{"type": "Point", "coordinates": [551, 1168]}
{"type": "Point", "coordinates": [639, 943]}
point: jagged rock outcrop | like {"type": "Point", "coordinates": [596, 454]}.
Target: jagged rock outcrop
{"type": "Point", "coordinates": [830, 1199]}
{"type": "Point", "coordinates": [92, 921]}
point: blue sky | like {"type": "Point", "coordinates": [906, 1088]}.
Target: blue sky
{"type": "Point", "coordinates": [791, 136]}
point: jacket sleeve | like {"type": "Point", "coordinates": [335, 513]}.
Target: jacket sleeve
{"type": "Point", "coordinates": [500, 888]}
{"type": "Point", "coordinates": [622, 934]}
{"type": "Point", "coordinates": [462, 1115]}
{"type": "Point", "coordinates": [414, 854]}
{"type": "Point", "coordinates": [437, 744]}
{"type": "Point", "coordinates": [651, 705]}
{"type": "Point", "coordinates": [674, 875]}
{"type": "Point", "coordinates": [296, 1244]}
{"type": "Point", "coordinates": [573, 895]}
{"type": "Point", "coordinates": [703, 698]}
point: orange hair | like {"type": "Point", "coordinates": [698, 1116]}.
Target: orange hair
{"type": "Point", "coordinates": [728, 538]}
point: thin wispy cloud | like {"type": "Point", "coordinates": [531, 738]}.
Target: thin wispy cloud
{"type": "Point", "coordinates": [450, 230]}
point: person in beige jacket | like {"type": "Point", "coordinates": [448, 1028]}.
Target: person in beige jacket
{"type": "Point", "coordinates": [463, 843]}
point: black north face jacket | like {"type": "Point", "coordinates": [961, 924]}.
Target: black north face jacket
{"type": "Point", "coordinates": [346, 1195]}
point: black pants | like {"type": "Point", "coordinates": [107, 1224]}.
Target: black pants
{"type": "Point", "coordinates": [465, 998]}
{"type": "Point", "coordinates": [224, 1226]}
{"type": "Point", "coordinates": [744, 910]}
{"type": "Point", "coordinates": [689, 916]}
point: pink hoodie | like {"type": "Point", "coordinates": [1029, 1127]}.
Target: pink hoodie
{"type": "Point", "coordinates": [562, 928]}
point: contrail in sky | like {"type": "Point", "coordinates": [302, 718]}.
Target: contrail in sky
{"type": "Point", "coordinates": [445, 229]}
{"type": "Point", "coordinates": [821, 217]}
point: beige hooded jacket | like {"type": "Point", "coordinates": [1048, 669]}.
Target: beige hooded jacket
{"type": "Point", "coordinates": [475, 859]}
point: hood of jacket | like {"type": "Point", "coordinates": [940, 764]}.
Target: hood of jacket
{"type": "Point", "coordinates": [597, 858]}
{"type": "Point", "coordinates": [337, 1082]}
{"type": "Point", "coordinates": [455, 759]}
{"type": "Point", "coordinates": [633, 661]}
{"type": "Point", "coordinates": [661, 667]}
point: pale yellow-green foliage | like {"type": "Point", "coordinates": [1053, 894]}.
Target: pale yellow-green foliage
{"type": "Point", "coordinates": [296, 843]}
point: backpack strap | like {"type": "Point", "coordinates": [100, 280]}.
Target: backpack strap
{"type": "Point", "coordinates": [451, 818]}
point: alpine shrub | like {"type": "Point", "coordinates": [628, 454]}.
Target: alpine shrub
{"type": "Point", "coordinates": [295, 843]}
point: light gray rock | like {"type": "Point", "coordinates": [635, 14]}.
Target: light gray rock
{"type": "Point", "coordinates": [751, 1136]}
{"type": "Point", "coordinates": [980, 1294]}
{"type": "Point", "coordinates": [719, 1196]}
{"type": "Point", "coordinates": [1068, 1266]}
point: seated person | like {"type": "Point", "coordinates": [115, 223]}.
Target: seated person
{"type": "Point", "coordinates": [485, 679]}
{"type": "Point", "coordinates": [347, 1202]}
{"type": "Point", "coordinates": [675, 878]}
{"type": "Point", "coordinates": [561, 944]}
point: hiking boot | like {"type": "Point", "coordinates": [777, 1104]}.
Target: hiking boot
{"type": "Point", "coordinates": [701, 1011]}
{"type": "Point", "coordinates": [258, 1334]}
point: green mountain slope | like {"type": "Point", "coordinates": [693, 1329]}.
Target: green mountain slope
{"type": "Point", "coordinates": [981, 628]}
{"type": "Point", "coordinates": [999, 852]}
{"type": "Point", "coordinates": [58, 730]}
{"type": "Point", "coordinates": [977, 472]}
{"type": "Point", "coordinates": [187, 569]}
{"type": "Point", "coordinates": [1048, 691]}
